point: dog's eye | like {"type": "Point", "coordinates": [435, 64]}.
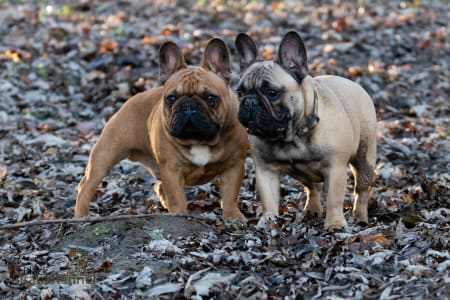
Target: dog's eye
{"type": "Point", "coordinates": [272, 94]}
{"type": "Point", "coordinates": [211, 99]}
{"type": "Point", "coordinates": [170, 100]}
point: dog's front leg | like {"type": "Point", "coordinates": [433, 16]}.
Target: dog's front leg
{"type": "Point", "coordinates": [336, 182]}
{"type": "Point", "coordinates": [268, 185]}
{"type": "Point", "coordinates": [230, 185]}
{"type": "Point", "coordinates": [171, 189]}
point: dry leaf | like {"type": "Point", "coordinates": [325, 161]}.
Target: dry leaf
{"type": "Point", "coordinates": [108, 45]}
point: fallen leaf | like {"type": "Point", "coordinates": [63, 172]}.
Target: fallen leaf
{"type": "Point", "coordinates": [107, 45]}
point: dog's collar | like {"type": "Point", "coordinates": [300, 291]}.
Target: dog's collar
{"type": "Point", "coordinates": [312, 119]}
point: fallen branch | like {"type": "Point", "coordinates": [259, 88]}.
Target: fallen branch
{"type": "Point", "coordinates": [100, 219]}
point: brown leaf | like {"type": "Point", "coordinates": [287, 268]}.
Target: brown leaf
{"type": "Point", "coordinates": [424, 43]}
{"type": "Point", "coordinates": [332, 62]}
{"type": "Point", "coordinates": [47, 216]}
{"type": "Point", "coordinates": [378, 238]}
{"type": "Point", "coordinates": [108, 45]}
{"type": "Point", "coordinates": [166, 31]}
{"type": "Point", "coordinates": [104, 266]}
{"type": "Point", "coordinates": [14, 55]}
{"type": "Point", "coordinates": [339, 25]}
{"type": "Point", "coordinates": [348, 204]}
{"type": "Point", "coordinates": [381, 239]}
{"type": "Point", "coordinates": [73, 252]}
{"type": "Point", "coordinates": [354, 71]}
{"type": "Point", "coordinates": [220, 228]}
{"type": "Point", "coordinates": [14, 270]}
{"type": "Point", "coordinates": [267, 53]}
{"type": "Point", "coordinates": [147, 40]}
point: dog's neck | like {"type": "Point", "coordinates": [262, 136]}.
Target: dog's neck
{"type": "Point", "coordinates": [310, 120]}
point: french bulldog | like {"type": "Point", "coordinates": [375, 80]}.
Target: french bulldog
{"type": "Point", "coordinates": [309, 128]}
{"type": "Point", "coordinates": [185, 131]}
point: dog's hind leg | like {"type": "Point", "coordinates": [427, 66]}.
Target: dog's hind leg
{"type": "Point", "coordinates": [335, 185]}
{"type": "Point", "coordinates": [363, 171]}
{"type": "Point", "coordinates": [102, 158]}
{"type": "Point", "coordinates": [313, 196]}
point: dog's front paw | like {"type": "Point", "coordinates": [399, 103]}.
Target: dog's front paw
{"type": "Point", "coordinates": [335, 222]}
{"type": "Point", "coordinates": [81, 210]}
{"type": "Point", "coordinates": [265, 221]}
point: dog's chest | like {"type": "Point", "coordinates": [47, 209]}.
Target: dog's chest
{"type": "Point", "coordinates": [300, 160]}
{"type": "Point", "coordinates": [199, 155]}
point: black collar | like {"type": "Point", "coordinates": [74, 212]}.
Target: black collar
{"type": "Point", "coordinates": [312, 119]}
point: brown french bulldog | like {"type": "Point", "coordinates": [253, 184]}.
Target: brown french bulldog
{"type": "Point", "coordinates": [186, 132]}
{"type": "Point", "coordinates": [310, 128]}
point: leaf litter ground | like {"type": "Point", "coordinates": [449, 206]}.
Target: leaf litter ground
{"type": "Point", "coordinates": [66, 68]}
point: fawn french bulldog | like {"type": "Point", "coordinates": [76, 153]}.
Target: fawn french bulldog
{"type": "Point", "coordinates": [310, 128]}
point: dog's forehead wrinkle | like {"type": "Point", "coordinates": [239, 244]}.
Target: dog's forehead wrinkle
{"type": "Point", "coordinates": [192, 81]}
{"type": "Point", "coordinates": [257, 74]}
{"type": "Point", "coordinates": [268, 72]}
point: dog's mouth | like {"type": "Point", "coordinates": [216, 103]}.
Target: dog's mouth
{"type": "Point", "coordinates": [266, 132]}
{"type": "Point", "coordinates": [193, 125]}
{"type": "Point", "coordinates": [251, 127]}
{"type": "Point", "coordinates": [262, 118]}
{"type": "Point", "coordinates": [261, 124]}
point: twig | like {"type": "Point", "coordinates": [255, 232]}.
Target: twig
{"type": "Point", "coordinates": [100, 219]}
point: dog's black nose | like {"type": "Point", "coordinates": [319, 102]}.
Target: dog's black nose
{"type": "Point", "coordinates": [189, 105]}
{"type": "Point", "coordinates": [250, 101]}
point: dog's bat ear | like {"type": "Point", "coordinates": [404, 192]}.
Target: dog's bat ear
{"type": "Point", "coordinates": [216, 58]}
{"type": "Point", "coordinates": [246, 49]}
{"type": "Point", "coordinates": [292, 55]}
{"type": "Point", "coordinates": [171, 60]}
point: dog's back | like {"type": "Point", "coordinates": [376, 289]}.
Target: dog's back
{"type": "Point", "coordinates": [356, 102]}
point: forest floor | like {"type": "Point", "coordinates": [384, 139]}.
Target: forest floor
{"type": "Point", "coordinates": [65, 68]}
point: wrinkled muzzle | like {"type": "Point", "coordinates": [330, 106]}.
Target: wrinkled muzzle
{"type": "Point", "coordinates": [191, 121]}
{"type": "Point", "coordinates": [260, 121]}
